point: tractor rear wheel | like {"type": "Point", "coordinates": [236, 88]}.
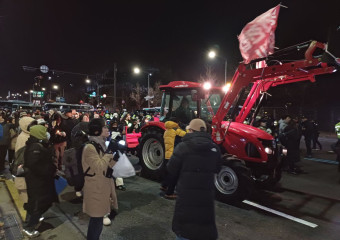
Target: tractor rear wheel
{"type": "Point", "coordinates": [151, 155]}
{"type": "Point", "coordinates": [233, 183]}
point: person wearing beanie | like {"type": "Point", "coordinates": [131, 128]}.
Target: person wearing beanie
{"type": "Point", "coordinates": [40, 170]}
{"type": "Point", "coordinates": [99, 190]}
{"type": "Point", "coordinates": [193, 164]}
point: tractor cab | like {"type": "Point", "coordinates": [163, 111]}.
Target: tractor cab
{"type": "Point", "coordinates": [188, 100]}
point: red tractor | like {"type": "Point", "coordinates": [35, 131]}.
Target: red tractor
{"type": "Point", "coordinates": [250, 155]}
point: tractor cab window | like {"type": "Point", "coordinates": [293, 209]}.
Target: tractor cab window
{"type": "Point", "coordinates": [210, 106]}
{"type": "Point", "coordinates": [178, 104]}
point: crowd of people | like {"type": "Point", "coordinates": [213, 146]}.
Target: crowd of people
{"type": "Point", "coordinates": [43, 139]}
{"type": "Point", "coordinates": [37, 144]}
{"type": "Point", "coordinates": [289, 131]}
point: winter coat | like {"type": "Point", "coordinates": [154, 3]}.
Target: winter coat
{"type": "Point", "coordinates": [6, 138]}
{"type": "Point", "coordinates": [14, 136]}
{"type": "Point", "coordinates": [78, 134]}
{"type": "Point", "coordinates": [99, 191]}
{"type": "Point", "coordinates": [24, 135]}
{"type": "Point", "coordinates": [56, 138]}
{"type": "Point", "coordinates": [68, 125]}
{"type": "Point", "coordinates": [40, 171]}
{"type": "Point", "coordinates": [293, 142]}
{"type": "Point", "coordinates": [307, 129]}
{"type": "Point", "coordinates": [194, 162]}
{"type": "Point", "coordinates": [172, 130]}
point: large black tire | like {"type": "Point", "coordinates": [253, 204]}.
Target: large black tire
{"type": "Point", "coordinates": [151, 154]}
{"type": "Point", "coordinates": [233, 183]}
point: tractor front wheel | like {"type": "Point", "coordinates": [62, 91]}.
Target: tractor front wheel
{"type": "Point", "coordinates": [151, 155]}
{"type": "Point", "coordinates": [233, 183]}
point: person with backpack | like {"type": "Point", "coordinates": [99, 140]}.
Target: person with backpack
{"type": "Point", "coordinates": [72, 158]}
{"type": "Point", "coordinates": [40, 171]}
{"type": "Point", "coordinates": [99, 190]}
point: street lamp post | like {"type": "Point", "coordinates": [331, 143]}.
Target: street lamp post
{"type": "Point", "coordinates": [31, 93]}
{"type": "Point", "coordinates": [212, 54]}
{"type": "Point", "coordinates": [137, 70]}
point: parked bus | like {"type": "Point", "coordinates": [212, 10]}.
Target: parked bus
{"type": "Point", "coordinates": [63, 106]}
{"type": "Point", "coordinates": [15, 105]}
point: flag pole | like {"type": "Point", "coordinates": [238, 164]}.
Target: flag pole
{"type": "Point", "coordinates": [283, 6]}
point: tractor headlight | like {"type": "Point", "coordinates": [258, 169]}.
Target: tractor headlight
{"type": "Point", "coordinates": [268, 150]}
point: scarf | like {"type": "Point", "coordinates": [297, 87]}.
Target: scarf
{"type": "Point", "coordinates": [99, 140]}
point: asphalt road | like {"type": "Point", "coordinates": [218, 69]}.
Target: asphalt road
{"type": "Point", "coordinates": [143, 214]}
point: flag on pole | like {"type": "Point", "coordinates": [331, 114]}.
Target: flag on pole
{"type": "Point", "coordinates": [257, 38]}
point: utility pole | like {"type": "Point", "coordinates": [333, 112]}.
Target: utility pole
{"type": "Point", "coordinates": [115, 87]}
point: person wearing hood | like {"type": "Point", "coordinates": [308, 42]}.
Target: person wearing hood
{"type": "Point", "coordinates": [172, 136]}
{"type": "Point", "coordinates": [79, 132]}
{"type": "Point", "coordinates": [194, 163]}
{"type": "Point", "coordinates": [19, 181]}
{"type": "Point", "coordinates": [40, 170]}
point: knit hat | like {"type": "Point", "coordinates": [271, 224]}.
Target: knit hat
{"type": "Point", "coordinates": [23, 114]}
{"type": "Point", "coordinates": [197, 125]}
{"type": "Point", "coordinates": [95, 126]}
{"type": "Point", "coordinates": [39, 132]}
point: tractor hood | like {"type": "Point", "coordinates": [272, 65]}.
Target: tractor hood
{"type": "Point", "coordinates": [243, 129]}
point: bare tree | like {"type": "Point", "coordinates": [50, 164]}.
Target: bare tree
{"type": "Point", "coordinates": [137, 96]}
{"type": "Point", "coordinates": [157, 94]}
{"type": "Point", "coordinates": [208, 76]}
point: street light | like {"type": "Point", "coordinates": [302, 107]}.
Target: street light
{"type": "Point", "coordinates": [212, 54]}
{"type": "Point", "coordinates": [137, 70]}
{"type": "Point", "coordinates": [44, 89]}
{"type": "Point", "coordinates": [56, 87]}
{"type": "Point", "coordinates": [87, 80]}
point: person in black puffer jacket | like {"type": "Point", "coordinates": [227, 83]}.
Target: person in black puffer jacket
{"type": "Point", "coordinates": [40, 170]}
{"type": "Point", "coordinates": [194, 162]}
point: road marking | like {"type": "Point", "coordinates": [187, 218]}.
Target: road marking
{"type": "Point", "coordinates": [322, 160]}
{"type": "Point", "coordinates": [309, 224]}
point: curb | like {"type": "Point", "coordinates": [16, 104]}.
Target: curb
{"type": "Point", "coordinates": [19, 205]}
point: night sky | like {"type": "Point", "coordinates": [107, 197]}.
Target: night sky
{"type": "Point", "coordinates": [88, 37]}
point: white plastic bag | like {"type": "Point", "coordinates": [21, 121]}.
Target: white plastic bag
{"type": "Point", "coordinates": [123, 168]}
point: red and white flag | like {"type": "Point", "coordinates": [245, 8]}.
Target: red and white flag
{"type": "Point", "coordinates": [257, 39]}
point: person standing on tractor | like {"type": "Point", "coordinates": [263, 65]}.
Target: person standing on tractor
{"type": "Point", "coordinates": [193, 164]}
{"type": "Point", "coordinates": [183, 112]}
{"type": "Point", "coordinates": [172, 136]}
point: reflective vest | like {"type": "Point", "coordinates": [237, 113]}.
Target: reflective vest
{"type": "Point", "coordinates": [337, 129]}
